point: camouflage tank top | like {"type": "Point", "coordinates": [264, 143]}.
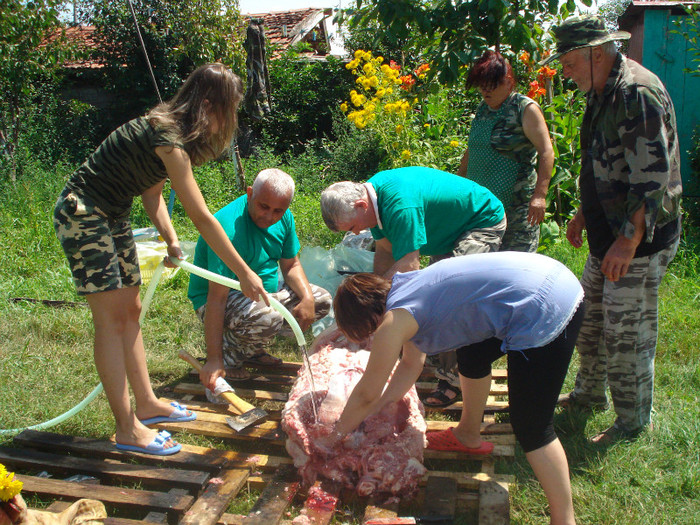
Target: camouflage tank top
{"type": "Point", "coordinates": [500, 155]}
{"type": "Point", "coordinates": [122, 167]}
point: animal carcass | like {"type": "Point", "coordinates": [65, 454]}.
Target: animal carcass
{"type": "Point", "coordinates": [383, 457]}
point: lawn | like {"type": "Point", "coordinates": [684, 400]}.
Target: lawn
{"type": "Point", "coordinates": [46, 361]}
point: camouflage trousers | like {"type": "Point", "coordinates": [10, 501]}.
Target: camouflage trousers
{"type": "Point", "coordinates": [617, 341]}
{"type": "Point", "coordinates": [480, 240]}
{"type": "Point", "coordinates": [520, 235]}
{"type": "Point", "coordinates": [250, 327]}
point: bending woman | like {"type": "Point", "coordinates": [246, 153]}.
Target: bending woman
{"type": "Point", "coordinates": [527, 306]}
{"type": "Point", "coordinates": [91, 218]}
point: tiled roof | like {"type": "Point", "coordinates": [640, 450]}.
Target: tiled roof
{"type": "Point", "coordinates": [285, 28]}
{"type": "Point", "coordinates": [83, 37]}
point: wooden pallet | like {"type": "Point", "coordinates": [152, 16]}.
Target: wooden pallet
{"type": "Point", "coordinates": [197, 485]}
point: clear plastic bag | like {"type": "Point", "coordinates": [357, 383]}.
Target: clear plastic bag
{"type": "Point", "coordinates": [152, 252]}
{"type": "Point", "coordinates": [327, 268]}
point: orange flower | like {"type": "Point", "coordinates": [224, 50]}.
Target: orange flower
{"type": "Point", "coordinates": [535, 90]}
{"type": "Point", "coordinates": [394, 65]}
{"type": "Point", "coordinates": [545, 73]}
{"type": "Point", "coordinates": [525, 57]}
{"type": "Point", "coordinates": [407, 82]}
{"type": "Point", "coordinates": [424, 68]}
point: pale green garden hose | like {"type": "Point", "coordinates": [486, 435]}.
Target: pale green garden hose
{"type": "Point", "coordinates": [146, 303]}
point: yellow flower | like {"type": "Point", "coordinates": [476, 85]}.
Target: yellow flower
{"type": "Point", "coordinates": [344, 107]}
{"type": "Point", "coordinates": [359, 53]}
{"type": "Point", "coordinates": [426, 125]}
{"type": "Point", "coordinates": [381, 92]}
{"type": "Point", "coordinates": [399, 128]}
{"type": "Point", "coordinates": [373, 81]}
{"type": "Point", "coordinates": [454, 143]}
{"type": "Point", "coordinates": [405, 154]}
{"type": "Point", "coordinates": [368, 68]}
{"type": "Point", "coordinates": [360, 124]}
{"type": "Point", "coordinates": [9, 487]}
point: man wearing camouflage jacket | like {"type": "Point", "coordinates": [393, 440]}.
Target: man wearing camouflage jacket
{"type": "Point", "coordinates": [630, 188]}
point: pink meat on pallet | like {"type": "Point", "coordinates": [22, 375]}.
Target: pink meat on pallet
{"type": "Point", "coordinates": [383, 458]}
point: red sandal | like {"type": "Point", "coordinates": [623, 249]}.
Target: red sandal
{"type": "Point", "coordinates": [446, 440]}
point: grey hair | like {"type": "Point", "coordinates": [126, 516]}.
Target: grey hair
{"type": "Point", "coordinates": [609, 48]}
{"type": "Point", "coordinates": [338, 202]}
{"type": "Point", "coordinates": [277, 181]}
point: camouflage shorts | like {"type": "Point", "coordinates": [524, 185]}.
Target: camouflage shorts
{"type": "Point", "coordinates": [250, 327]}
{"type": "Point", "coordinates": [101, 252]}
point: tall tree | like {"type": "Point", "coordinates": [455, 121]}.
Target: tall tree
{"type": "Point", "coordinates": [31, 50]}
{"type": "Point", "coordinates": [178, 35]}
{"type": "Point", "coordinates": [460, 30]}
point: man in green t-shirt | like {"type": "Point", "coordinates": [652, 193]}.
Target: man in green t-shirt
{"type": "Point", "coordinates": [418, 211]}
{"type": "Point", "coordinates": [261, 227]}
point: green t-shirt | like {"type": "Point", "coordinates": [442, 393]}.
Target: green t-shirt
{"type": "Point", "coordinates": [428, 210]}
{"type": "Point", "coordinates": [260, 249]}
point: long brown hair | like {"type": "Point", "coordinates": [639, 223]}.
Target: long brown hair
{"type": "Point", "coordinates": [212, 91]}
{"type": "Point", "coordinates": [360, 303]}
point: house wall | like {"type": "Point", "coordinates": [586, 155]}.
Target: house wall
{"type": "Point", "coordinates": [667, 54]}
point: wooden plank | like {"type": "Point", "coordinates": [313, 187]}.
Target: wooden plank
{"type": "Point", "coordinates": [105, 449]}
{"type": "Point", "coordinates": [213, 502]}
{"type": "Point", "coordinates": [274, 500]}
{"type": "Point", "coordinates": [440, 498]}
{"type": "Point", "coordinates": [104, 471]}
{"type": "Point", "coordinates": [161, 517]}
{"type": "Point", "coordinates": [268, 381]}
{"type": "Point", "coordinates": [497, 389]}
{"type": "Point", "coordinates": [487, 428]}
{"type": "Point", "coordinates": [140, 500]}
{"type": "Point", "coordinates": [494, 506]}
{"type": "Point", "coordinates": [245, 393]}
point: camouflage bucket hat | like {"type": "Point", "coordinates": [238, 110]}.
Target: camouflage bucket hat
{"type": "Point", "coordinates": [582, 31]}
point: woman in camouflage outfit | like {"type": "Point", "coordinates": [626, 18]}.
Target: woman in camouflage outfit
{"type": "Point", "coordinates": [510, 153]}
{"type": "Point", "coordinates": [91, 218]}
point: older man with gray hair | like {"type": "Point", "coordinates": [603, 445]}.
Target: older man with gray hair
{"type": "Point", "coordinates": [416, 211]}
{"type": "Point", "coordinates": [236, 329]}
{"type": "Point", "coordinates": [630, 208]}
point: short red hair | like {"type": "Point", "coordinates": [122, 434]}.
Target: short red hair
{"type": "Point", "coordinates": [490, 70]}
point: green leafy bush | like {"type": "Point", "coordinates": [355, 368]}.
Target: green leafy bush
{"type": "Point", "coordinates": [304, 94]}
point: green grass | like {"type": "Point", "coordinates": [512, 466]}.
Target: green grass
{"type": "Point", "coordinates": [46, 359]}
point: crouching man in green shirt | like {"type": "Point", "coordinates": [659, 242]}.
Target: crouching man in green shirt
{"type": "Point", "coordinates": [418, 211]}
{"type": "Point", "coordinates": [261, 227]}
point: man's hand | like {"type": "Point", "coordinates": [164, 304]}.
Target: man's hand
{"type": "Point", "coordinates": [305, 312]}
{"type": "Point", "coordinates": [535, 213]}
{"type": "Point", "coordinates": [574, 230]}
{"type": "Point", "coordinates": [210, 372]}
{"type": "Point", "coordinates": [618, 257]}
{"type": "Point", "coordinates": [252, 287]}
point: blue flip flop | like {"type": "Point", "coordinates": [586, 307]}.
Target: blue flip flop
{"type": "Point", "coordinates": [180, 414]}
{"type": "Point", "coordinates": [156, 447]}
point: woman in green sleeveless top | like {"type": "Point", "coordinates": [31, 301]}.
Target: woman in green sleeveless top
{"type": "Point", "coordinates": [509, 150]}
{"type": "Point", "coordinates": [91, 218]}
{"type": "Point", "coordinates": [510, 153]}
